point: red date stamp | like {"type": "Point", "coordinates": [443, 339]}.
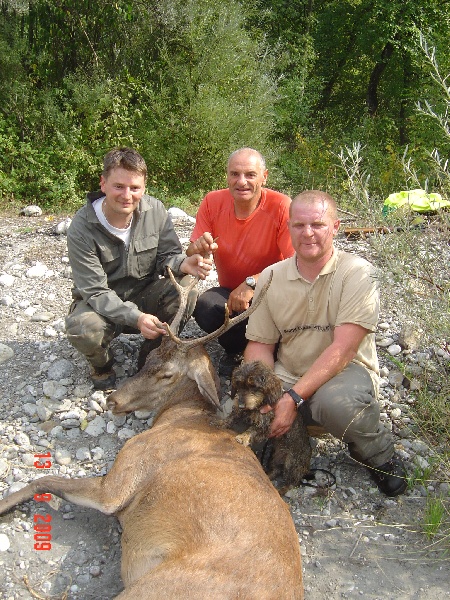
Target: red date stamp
{"type": "Point", "coordinates": [42, 523]}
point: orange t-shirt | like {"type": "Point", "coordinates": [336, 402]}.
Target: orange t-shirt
{"type": "Point", "coordinates": [246, 246]}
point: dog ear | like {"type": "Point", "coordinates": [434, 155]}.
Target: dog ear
{"type": "Point", "coordinates": [271, 386]}
{"type": "Point", "coordinates": [272, 394]}
{"type": "Point", "coordinates": [236, 380]}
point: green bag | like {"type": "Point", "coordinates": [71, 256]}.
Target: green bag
{"type": "Point", "coordinates": [416, 200]}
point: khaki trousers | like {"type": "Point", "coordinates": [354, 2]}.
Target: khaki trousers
{"type": "Point", "coordinates": [346, 407]}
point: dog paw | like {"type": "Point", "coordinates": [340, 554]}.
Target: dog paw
{"type": "Point", "coordinates": [244, 438]}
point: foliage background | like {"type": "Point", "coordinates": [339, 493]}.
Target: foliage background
{"type": "Point", "coordinates": [188, 82]}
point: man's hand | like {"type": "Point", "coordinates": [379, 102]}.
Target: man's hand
{"type": "Point", "coordinates": [285, 415]}
{"type": "Point", "coordinates": [240, 298]}
{"type": "Point", "coordinates": [205, 245]}
{"type": "Point", "coordinates": [196, 265]}
{"type": "Point", "coordinates": [150, 326]}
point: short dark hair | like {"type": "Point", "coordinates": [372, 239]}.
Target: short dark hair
{"type": "Point", "coordinates": [125, 158]}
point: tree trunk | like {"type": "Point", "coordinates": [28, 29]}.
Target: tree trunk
{"type": "Point", "coordinates": [375, 77]}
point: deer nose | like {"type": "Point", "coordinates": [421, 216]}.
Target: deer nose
{"type": "Point", "coordinates": [111, 404]}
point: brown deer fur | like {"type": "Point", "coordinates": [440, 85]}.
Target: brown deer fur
{"type": "Point", "coordinates": [200, 518]}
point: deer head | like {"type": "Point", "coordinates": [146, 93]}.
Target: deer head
{"type": "Point", "coordinates": [178, 367]}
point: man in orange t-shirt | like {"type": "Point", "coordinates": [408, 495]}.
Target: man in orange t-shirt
{"type": "Point", "coordinates": [249, 223]}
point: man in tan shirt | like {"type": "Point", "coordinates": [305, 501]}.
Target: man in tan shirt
{"type": "Point", "coordinates": [316, 328]}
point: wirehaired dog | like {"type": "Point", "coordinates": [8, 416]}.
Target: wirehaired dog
{"type": "Point", "coordinates": [253, 385]}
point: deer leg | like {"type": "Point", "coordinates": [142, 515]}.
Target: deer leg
{"type": "Point", "coordinates": [89, 492]}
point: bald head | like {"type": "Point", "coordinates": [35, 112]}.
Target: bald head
{"type": "Point", "coordinates": [246, 175]}
{"type": "Point", "coordinates": [247, 152]}
{"type": "Point", "coordinates": [316, 197]}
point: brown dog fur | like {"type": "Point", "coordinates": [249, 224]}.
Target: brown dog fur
{"type": "Point", "coordinates": [253, 385]}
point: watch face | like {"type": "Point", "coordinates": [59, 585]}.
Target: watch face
{"type": "Point", "coordinates": [251, 281]}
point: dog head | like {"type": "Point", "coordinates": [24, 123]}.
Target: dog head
{"type": "Point", "coordinates": [255, 384]}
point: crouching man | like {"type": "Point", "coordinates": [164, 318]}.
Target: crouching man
{"type": "Point", "coordinates": [120, 245]}
{"type": "Point", "coordinates": [316, 329]}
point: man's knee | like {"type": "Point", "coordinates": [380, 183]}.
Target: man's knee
{"type": "Point", "coordinates": [86, 330]}
{"type": "Point", "coordinates": [84, 324]}
{"type": "Point", "coordinates": [347, 404]}
{"type": "Point", "coordinates": [210, 309]}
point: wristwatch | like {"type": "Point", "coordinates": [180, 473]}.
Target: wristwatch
{"type": "Point", "coordinates": [295, 397]}
{"type": "Point", "coordinates": [251, 282]}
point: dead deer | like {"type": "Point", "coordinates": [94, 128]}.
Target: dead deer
{"type": "Point", "coordinates": [200, 517]}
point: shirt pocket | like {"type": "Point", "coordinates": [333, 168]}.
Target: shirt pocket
{"type": "Point", "coordinates": [110, 258]}
{"type": "Point", "coordinates": [146, 251]}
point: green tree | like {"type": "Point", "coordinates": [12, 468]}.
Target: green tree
{"type": "Point", "coordinates": [212, 92]}
{"type": "Point", "coordinates": [370, 62]}
{"type": "Point", "coordinates": [188, 86]}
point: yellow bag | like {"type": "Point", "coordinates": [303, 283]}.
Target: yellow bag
{"type": "Point", "coordinates": [416, 200]}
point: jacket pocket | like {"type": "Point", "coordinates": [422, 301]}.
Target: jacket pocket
{"type": "Point", "coordinates": [146, 250]}
{"type": "Point", "coordinates": [110, 257]}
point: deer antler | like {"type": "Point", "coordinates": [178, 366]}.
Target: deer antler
{"type": "Point", "coordinates": [228, 323]}
{"type": "Point", "coordinates": [183, 292]}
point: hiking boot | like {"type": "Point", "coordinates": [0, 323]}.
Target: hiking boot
{"type": "Point", "coordinates": [228, 362]}
{"type": "Point", "coordinates": [390, 477]}
{"type": "Point", "coordinates": [103, 378]}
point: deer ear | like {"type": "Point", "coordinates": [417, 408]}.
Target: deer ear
{"type": "Point", "coordinates": [206, 379]}
{"type": "Point", "coordinates": [207, 388]}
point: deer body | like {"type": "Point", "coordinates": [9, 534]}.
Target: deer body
{"type": "Point", "coordinates": [200, 518]}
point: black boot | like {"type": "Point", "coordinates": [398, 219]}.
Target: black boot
{"type": "Point", "coordinates": [104, 378]}
{"type": "Point", "coordinates": [390, 477]}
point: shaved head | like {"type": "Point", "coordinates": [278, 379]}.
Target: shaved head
{"type": "Point", "coordinates": [316, 196]}
{"type": "Point", "coordinates": [249, 152]}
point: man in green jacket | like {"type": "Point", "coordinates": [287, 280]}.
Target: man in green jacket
{"type": "Point", "coordinates": [120, 245]}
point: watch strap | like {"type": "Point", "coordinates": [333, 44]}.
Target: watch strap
{"type": "Point", "coordinates": [295, 397]}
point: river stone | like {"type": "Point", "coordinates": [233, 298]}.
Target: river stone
{"type": "Point", "coordinates": [38, 270]}
{"type": "Point", "coordinates": [5, 353]}
{"type": "Point", "coordinates": [29, 409]}
{"type": "Point", "coordinates": [83, 453]}
{"type": "Point", "coordinates": [31, 211]}
{"type": "Point", "coordinates": [3, 467]}
{"type": "Point", "coordinates": [4, 542]}
{"type": "Point", "coordinates": [54, 390]}
{"type": "Point", "coordinates": [62, 227]}
{"type": "Point", "coordinates": [394, 349]}
{"type": "Point", "coordinates": [96, 427]}
{"type": "Point", "coordinates": [63, 456]}
{"type": "Point", "coordinates": [409, 336]}
{"type": "Point", "coordinates": [60, 369]}
{"type": "Point", "coordinates": [396, 378]}
{"type": "Point", "coordinates": [7, 280]}
{"type": "Point", "coordinates": [42, 317]}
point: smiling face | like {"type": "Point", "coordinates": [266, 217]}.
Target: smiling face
{"type": "Point", "coordinates": [245, 177]}
{"type": "Point", "coordinates": [123, 191]}
{"type": "Point", "coordinates": [313, 224]}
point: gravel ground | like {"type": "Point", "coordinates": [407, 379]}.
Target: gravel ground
{"type": "Point", "coordinates": [354, 541]}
